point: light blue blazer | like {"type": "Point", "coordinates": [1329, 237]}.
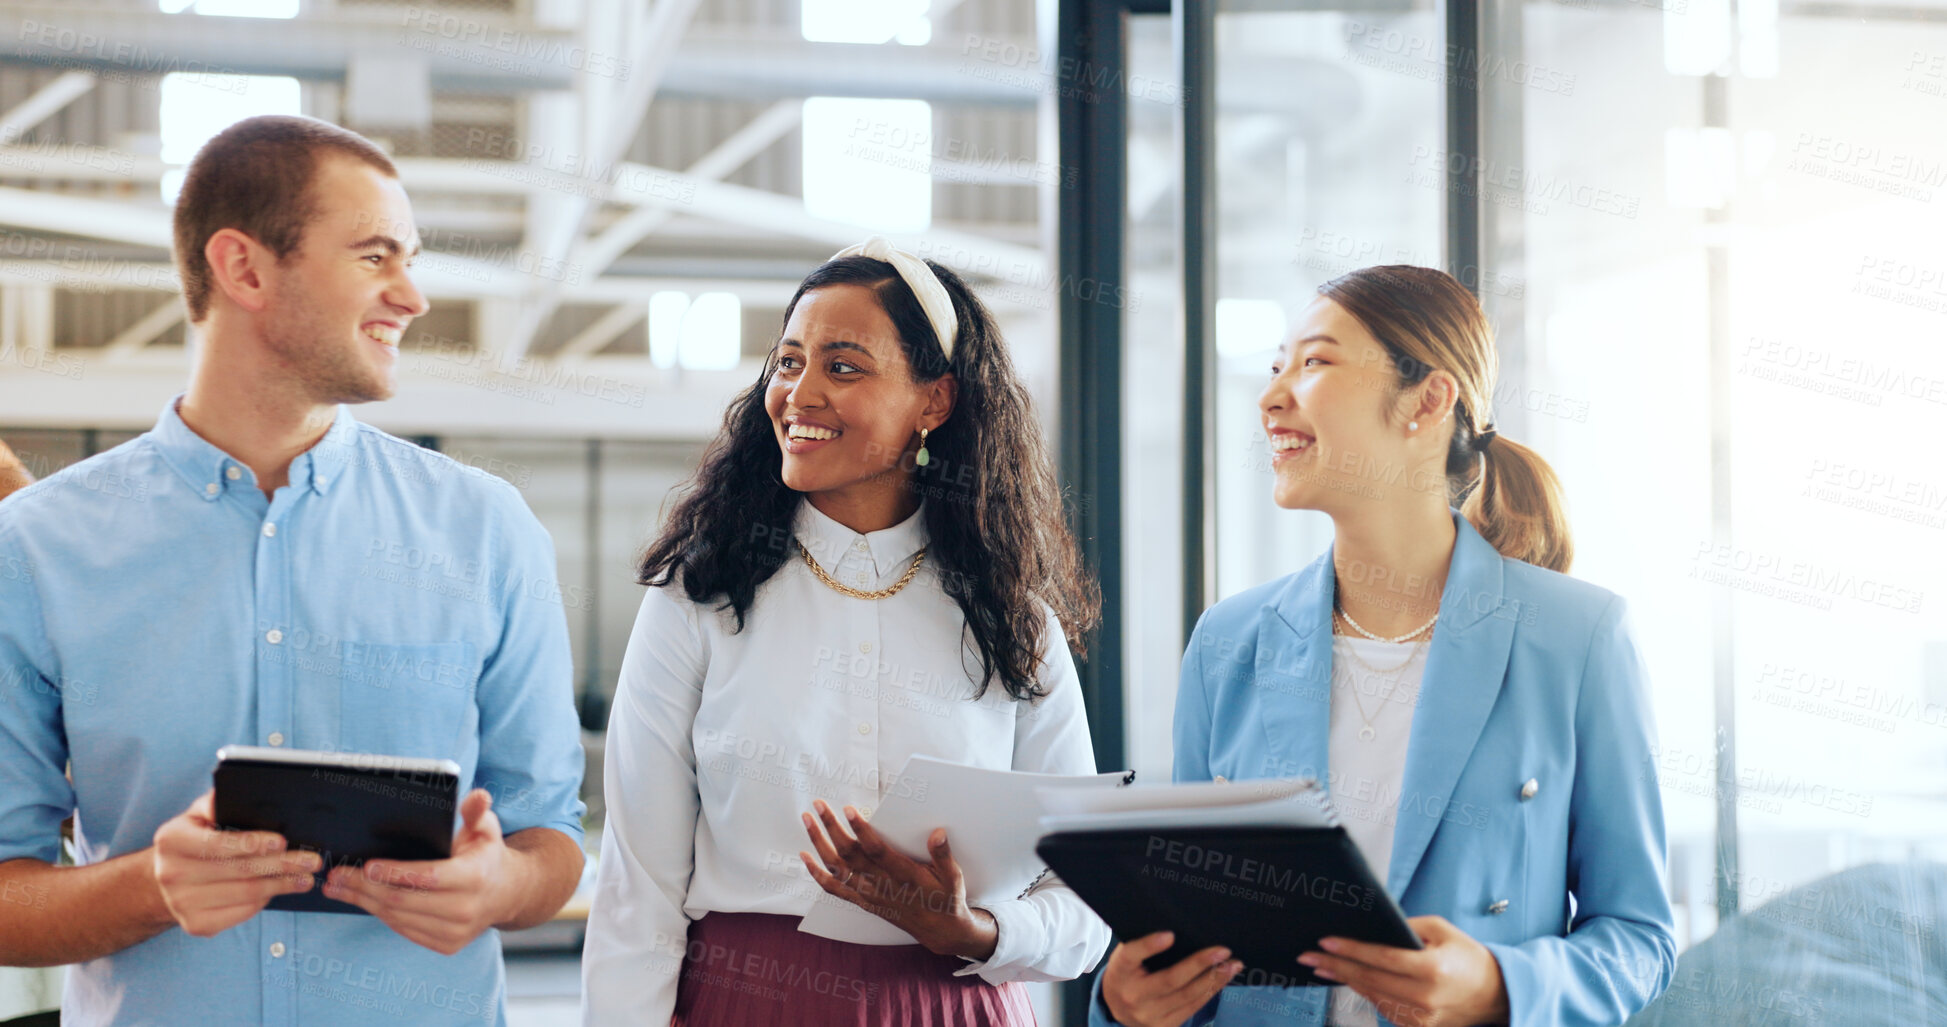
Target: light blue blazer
{"type": "Point", "coordinates": [1531, 675]}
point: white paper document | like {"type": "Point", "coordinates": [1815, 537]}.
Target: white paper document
{"type": "Point", "coordinates": [1288, 802]}
{"type": "Point", "coordinates": [992, 820]}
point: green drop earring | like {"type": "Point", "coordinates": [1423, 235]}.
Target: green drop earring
{"type": "Point", "coordinates": [922, 458]}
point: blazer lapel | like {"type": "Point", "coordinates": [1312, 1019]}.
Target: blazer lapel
{"type": "Point", "coordinates": [1465, 664]}
{"type": "Point", "coordinates": [1294, 673]}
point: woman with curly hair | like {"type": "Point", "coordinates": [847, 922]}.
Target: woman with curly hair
{"type": "Point", "coordinates": [870, 564]}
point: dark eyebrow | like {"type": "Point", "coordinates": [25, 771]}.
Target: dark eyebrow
{"type": "Point", "coordinates": [385, 242]}
{"type": "Point", "coordinates": [834, 344]}
{"type": "Point", "coordinates": [1292, 346]}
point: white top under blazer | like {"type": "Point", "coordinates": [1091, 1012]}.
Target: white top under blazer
{"type": "Point", "coordinates": [717, 741]}
{"type": "Point", "coordinates": [1367, 774]}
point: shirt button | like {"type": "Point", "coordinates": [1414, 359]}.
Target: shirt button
{"type": "Point", "coordinates": [866, 812]}
{"type": "Point", "coordinates": [865, 647]}
{"type": "Point", "coordinates": [1219, 779]}
{"type": "Point", "coordinates": [233, 474]}
{"type": "Point", "coordinates": [1500, 906]}
{"type": "Point", "coordinates": [865, 729]}
{"type": "Point", "coordinates": [273, 636]}
{"type": "Point", "coordinates": [270, 530]}
{"type": "Point", "coordinates": [860, 545]}
{"type": "Point", "coordinates": [1529, 789]}
{"type": "Point", "coordinates": [276, 738]}
{"type": "Point", "coordinates": [861, 579]}
{"type": "Point", "coordinates": [277, 950]}
{"type": "Point", "coordinates": [211, 489]}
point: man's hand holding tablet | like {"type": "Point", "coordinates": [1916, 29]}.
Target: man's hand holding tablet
{"type": "Point", "coordinates": [214, 879]}
{"type": "Point", "coordinates": [383, 828]}
{"type": "Point", "coordinates": [442, 904]}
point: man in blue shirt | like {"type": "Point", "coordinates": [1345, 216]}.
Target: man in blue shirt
{"type": "Point", "coordinates": [262, 569]}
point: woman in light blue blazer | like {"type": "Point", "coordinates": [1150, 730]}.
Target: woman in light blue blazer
{"type": "Point", "coordinates": [1480, 718]}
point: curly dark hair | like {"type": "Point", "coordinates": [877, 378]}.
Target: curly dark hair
{"type": "Point", "coordinates": [995, 527]}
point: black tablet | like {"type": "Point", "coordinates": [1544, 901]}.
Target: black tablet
{"type": "Point", "coordinates": [344, 806]}
{"type": "Point", "coordinates": [1266, 893]}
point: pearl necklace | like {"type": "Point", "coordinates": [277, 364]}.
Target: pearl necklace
{"type": "Point", "coordinates": [1368, 732]}
{"type": "Point", "coordinates": [1340, 610]}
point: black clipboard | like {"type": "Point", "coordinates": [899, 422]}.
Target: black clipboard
{"type": "Point", "coordinates": [348, 808]}
{"type": "Point", "coordinates": [1267, 893]}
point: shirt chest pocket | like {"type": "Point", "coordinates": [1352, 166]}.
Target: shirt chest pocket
{"type": "Point", "coordinates": [406, 700]}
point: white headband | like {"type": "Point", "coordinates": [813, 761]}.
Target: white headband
{"type": "Point", "coordinates": [925, 284]}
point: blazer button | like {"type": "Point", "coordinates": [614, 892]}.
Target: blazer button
{"type": "Point", "coordinates": [1499, 907]}
{"type": "Point", "coordinates": [1529, 788]}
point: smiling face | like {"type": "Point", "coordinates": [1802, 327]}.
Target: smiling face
{"type": "Point", "coordinates": [842, 402]}
{"type": "Point", "coordinates": [1337, 422]}
{"type": "Point", "coordinates": [343, 298]}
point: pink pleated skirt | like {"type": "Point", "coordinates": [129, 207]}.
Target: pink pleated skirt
{"type": "Point", "coordinates": [759, 970]}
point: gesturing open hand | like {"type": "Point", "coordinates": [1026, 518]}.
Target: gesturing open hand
{"type": "Point", "coordinates": [926, 900]}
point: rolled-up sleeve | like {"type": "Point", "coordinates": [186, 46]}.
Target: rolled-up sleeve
{"type": "Point", "coordinates": [637, 930]}
{"type": "Point", "coordinates": [34, 792]}
{"type": "Point", "coordinates": [1620, 952]}
{"type": "Point", "coordinates": [531, 759]}
{"type": "Point", "coordinates": [1050, 934]}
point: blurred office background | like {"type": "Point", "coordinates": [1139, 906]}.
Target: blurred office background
{"type": "Point", "coordinates": [1708, 233]}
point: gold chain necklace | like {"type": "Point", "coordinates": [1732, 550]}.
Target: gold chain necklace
{"type": "Point", "coordinates": [884, 593]}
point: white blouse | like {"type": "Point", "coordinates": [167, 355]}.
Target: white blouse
{"type": "Point", "coordinates": [718, 740]}
{"type": "Point", "coordinates": [1367, 774]}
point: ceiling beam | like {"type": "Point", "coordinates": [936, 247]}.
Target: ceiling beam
{"type": "Point", "coordinates": [61, 214]}
{"type": "Point", "coordinates": [94, 275]}
{"type": "Point", "coordinates": [934, 12]}
{"type": "Point", "coordinates": [44, 103]}
{"type": "Point", "coordinates": [438, 394]}
{"type": "Point", "coordinates": [595, 255]}
{"type": "Point", "coordinates": [483, 52]}
{"type": "Point", "coordinates": [627, 183]}
{"type": "Point", "coordinates": [590, 340]}
{"type": "Point", "coordinates": [557, 222]}
{"type": "Point", "coordinates": [639, 184]}
{"type": "Point", "coordinates": [966, 252]}
{"type": "Point", "coordinates": [131, 339]}
{"type": "Point", "coordinates": [466, 51]}
{"type": "Point", "coordinates": [655, 52]}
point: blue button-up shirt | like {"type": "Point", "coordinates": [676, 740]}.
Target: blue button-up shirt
{"type": "Point", "coordinates": [155, 606]}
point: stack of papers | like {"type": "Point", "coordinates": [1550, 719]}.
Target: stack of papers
{"type": "Point", "coordinates": [1289, 802]}
{"type": "Point", "coordinates": [992, 821]}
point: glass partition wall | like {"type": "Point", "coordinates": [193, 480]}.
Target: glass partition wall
{"type": "Point", "coordinates": [1328, 136]}
{"type": "Point", "coordinates": [1707, 236]}
{"type": "Point", "coordinates": [1723, 222]}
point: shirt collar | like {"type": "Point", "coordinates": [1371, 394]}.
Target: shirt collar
{"type": "Point", "coordinates": [332, 456]}
{"type": "Point", "coordinates": [830, 541]}
{"type": "Point", "coordinates": [210, 471]}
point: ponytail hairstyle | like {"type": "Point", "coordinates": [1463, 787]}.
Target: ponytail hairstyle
{"type": "Point", "coordinates": [1428, 321]}
{"type": "Point", "coordinates": [994, 522]}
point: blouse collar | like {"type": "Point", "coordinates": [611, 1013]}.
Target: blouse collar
{"type": "Point", "coordinates": [830, 542]}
